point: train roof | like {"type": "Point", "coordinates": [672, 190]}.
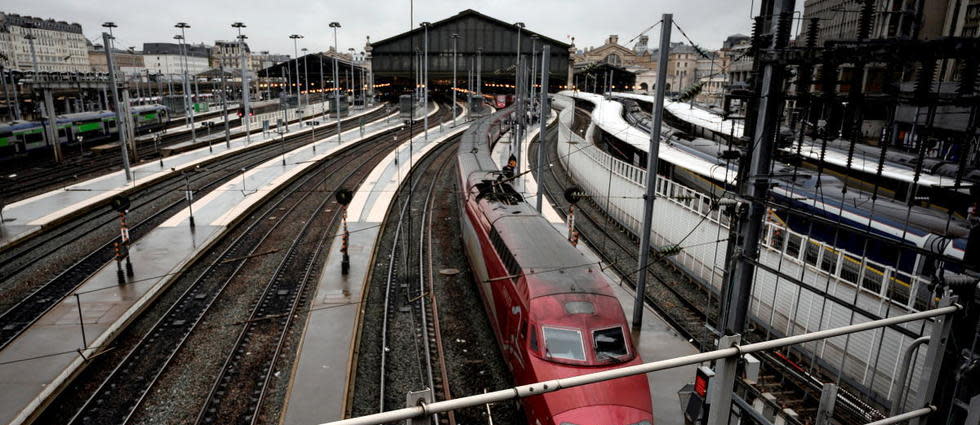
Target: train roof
{"type": "Point", "coordinates": [608, 116]}
{"type": "Point", "coordinates": [810, 148]}
{"type": "Point", "coordinates": [552, 265]}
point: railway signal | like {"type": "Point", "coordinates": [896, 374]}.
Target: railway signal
{"type": "Point", "coordinates": [344, 198]}
{"type": "Point", "coordinates": [573, 194]}
{"type": "Point", "coordinates": [121, 204]}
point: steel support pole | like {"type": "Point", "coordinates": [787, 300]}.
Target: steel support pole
{"type": "Point", "coordinates": [545, 53]}
{"type": "Point", "coordinates": [935, 352]}
{"type": "Point", "coordinates": [6, 94]}
{"type": "Point", "coordinates": [736, 305]}
{"type": "Point", "coordinates": [323, 103]}
{"type": "Point", "coordinates": [828, 398]}
{"type": "Point", "coordinates": [224, 105]}
{"type": "Point", "coordinates": [336, 87]}
{"type": "Point", "coordinates": [18, 115]}
{"type": "Point", "coordinates": [425, 85]}
{"type": "Point", "coordinates": [187, 86]}
{"type": "Point", "coordinates": [336, 96]}
{"type": "Point", "coordinates": [652, 164]}
{"type": "Point", "coordinates": [120, 122]}
{"type": "Point", "coordinates": [246, 109]}
{"type": "Point", "coordinates": [52, 125]}
{"type": "Point", "coordinates": [130, 127]}
{"type": "Point", "coordinates": [455, 37]}
{"type": "Point", "coordinates": [723, 384]}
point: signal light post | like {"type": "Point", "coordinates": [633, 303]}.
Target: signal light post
{"type": "Point", "coordinates": [344, 197]}
{"type": "Point", "coordinates": [121, 205]}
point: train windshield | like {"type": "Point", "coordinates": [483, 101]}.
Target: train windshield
{"type": "Point", "coordinates": [563, 344]}
{"type": "Point", "coordinates": [609, 343]}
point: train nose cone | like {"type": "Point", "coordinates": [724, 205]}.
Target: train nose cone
{"type": "Point", "coordinates": [604, 415]}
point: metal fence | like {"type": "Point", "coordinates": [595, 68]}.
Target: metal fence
{"type": "Point", "coordinates": [832, 287]}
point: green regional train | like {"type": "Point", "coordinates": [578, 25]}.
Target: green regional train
{"type": "Point", "coordinates": [24, 136]}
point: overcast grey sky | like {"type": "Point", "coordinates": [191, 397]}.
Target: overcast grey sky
{"type": "Point", "coordinates": [270, 22]}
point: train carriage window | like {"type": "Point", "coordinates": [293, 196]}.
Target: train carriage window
{"type": "Point", "coordinates": [563, 344]}
{"type": "Point", "coordinates": [609, 343]}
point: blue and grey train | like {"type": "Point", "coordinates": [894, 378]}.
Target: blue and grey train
{"type": "Point", "coordinates": [805, 193]}
{"type": "Point", "coordinates": [18, 137]}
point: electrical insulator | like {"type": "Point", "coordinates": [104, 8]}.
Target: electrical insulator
{"type": "Point", "coordinates": [811, 33]}
{"type": "Point", "coordinates": [968, 76]}
{"type": "Point", "coordinates": [757, 25]}
{"type": "Point", "coordinates": [828, 79]}
{"type": "Point", "coordinates": [923, 81]}
{"type": "Point", "coordinates": [783, 29]}
{"type": "Point", "coordinates": [864, 22]}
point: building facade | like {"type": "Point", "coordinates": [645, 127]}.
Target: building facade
{"type": "Point", "coordinates": [228, 55]}
{"type": "Point", "coordinates": [682, 62]}
{"type": "Point", "coordinates": [493, 40]}
{"type": "Point", "coordinates": [126, 62]}
{"type": "Point", "coordinates": [58, 46]}
{"type": "Point", "coordinates": [165, 59]}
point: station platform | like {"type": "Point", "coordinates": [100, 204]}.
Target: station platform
{"type": "Point", "coordinates": [24, 217]}
{"type": "Point", "coordinates": [319, 379]}
{"type": "Point", "coordinates": [36, 365]}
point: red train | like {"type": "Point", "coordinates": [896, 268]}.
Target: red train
{"type": "Point", "coordinates": [551, 318]}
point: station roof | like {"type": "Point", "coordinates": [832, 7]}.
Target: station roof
{"type": "Point", "coordinates": [309, 67]}
{"type": "Point", "coordinates": [492, 40]}
{"type": "Point", "coordinates": [464, 14]}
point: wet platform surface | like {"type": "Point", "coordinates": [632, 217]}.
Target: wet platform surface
{"type": "Point", "coordinates": [320, 375]}
{"type": "Point", "coordinates": [24, 217]}
{"type": "Point", "coordinates": [36, 364]}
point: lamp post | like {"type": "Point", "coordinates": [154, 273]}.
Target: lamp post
{"type": "Point", "coordinates": [246, 112]}
{"type": "Point", "coordinates": [455, 37]}
{"type": "Point", "coordinates": [187, 85]}
{"type": "Point", "coordinates": [306, 78]}
{"type": "Point", "coordinates": [425, 77]}
{"type": "Point", "coordinates": [336, 89]}
{"type": "Point", "coordinates": [296, 38]}
{"type": "Point", "coordinates": [121, 123]}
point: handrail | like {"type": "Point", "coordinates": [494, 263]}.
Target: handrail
{"type": "Point", "coordinates": [575, 381]}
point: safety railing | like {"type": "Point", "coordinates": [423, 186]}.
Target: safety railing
{"type": "Point", "coordinates": [722, 385]}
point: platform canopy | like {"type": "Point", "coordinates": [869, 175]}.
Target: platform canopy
{"type": "Point", "coordinates": [496, 40]}
{"type": "Point", "coordinates": [308, 68]}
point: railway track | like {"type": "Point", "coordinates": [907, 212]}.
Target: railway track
{"type": "Point", "coordinates": [682, 302]}
{"type": "Point", "coordinates": [45, 174]}
{"type": "Point", "coordinates": [282, 242]}
{"type": "Point", "coordinates": [141, 368]}
{"type": "Point", "coordinates": [409, 289]}
{"type": "Point", "coordinates": [153, 205]}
